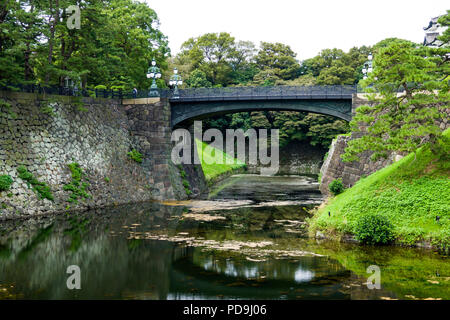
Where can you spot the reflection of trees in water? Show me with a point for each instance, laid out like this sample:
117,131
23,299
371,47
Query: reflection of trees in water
299,270
220,274
111,266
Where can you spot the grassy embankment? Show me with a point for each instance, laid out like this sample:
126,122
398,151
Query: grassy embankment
214,171
410,193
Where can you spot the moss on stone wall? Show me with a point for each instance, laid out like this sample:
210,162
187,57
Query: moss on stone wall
79,184
40,188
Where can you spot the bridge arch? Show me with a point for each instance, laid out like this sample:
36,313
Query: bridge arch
194,104
183,113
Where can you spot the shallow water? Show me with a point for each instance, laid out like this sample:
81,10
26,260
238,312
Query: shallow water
245,240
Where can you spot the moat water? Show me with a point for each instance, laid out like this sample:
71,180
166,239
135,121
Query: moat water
247,239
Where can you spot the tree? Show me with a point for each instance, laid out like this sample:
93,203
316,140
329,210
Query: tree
322,61
336,67
278,59
407,121
242,63
197,79
19,31
113,47
321,130
445,22
212,53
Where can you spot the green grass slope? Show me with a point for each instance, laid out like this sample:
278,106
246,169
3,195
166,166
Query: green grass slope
410,193
214,170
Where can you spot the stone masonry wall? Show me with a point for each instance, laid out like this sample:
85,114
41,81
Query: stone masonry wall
350,172
98,138
149,124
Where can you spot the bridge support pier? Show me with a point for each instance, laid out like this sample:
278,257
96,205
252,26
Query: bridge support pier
194,172
149,126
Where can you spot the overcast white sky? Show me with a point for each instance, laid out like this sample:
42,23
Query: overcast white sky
308,26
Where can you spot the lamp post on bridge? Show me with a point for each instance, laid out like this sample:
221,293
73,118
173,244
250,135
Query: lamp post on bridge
368,66
153,73
175,81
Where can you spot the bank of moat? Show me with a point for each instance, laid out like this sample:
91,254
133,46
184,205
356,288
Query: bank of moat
47,134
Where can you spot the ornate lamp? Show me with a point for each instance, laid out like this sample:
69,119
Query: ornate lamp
175,81
368,66
153,73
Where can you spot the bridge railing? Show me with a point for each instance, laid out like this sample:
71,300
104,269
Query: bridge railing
264,93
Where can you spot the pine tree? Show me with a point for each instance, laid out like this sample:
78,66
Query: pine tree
408,99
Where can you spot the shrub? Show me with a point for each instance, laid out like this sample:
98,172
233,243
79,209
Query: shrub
115,88
374,229
5,182
47,107
78,186
48,110
41,188
135,155
187,187
7,107
336,186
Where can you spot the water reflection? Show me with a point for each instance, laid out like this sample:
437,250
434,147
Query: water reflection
268,189
302,275
122,256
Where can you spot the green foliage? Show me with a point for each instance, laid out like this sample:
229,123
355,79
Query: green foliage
40,188
226,62
187,187
374,229
5,182
79,104
5,106
113,46
325,156
336,186
390,41
411,274
135,156
406,122
76,231
444,21
315,129
210,53
47,107
410,193
48,110
279,59
107,179
213,170
182,172
334,66
184,181
197,79
79,185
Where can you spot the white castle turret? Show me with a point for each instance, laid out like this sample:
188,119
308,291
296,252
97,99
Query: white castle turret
432,31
